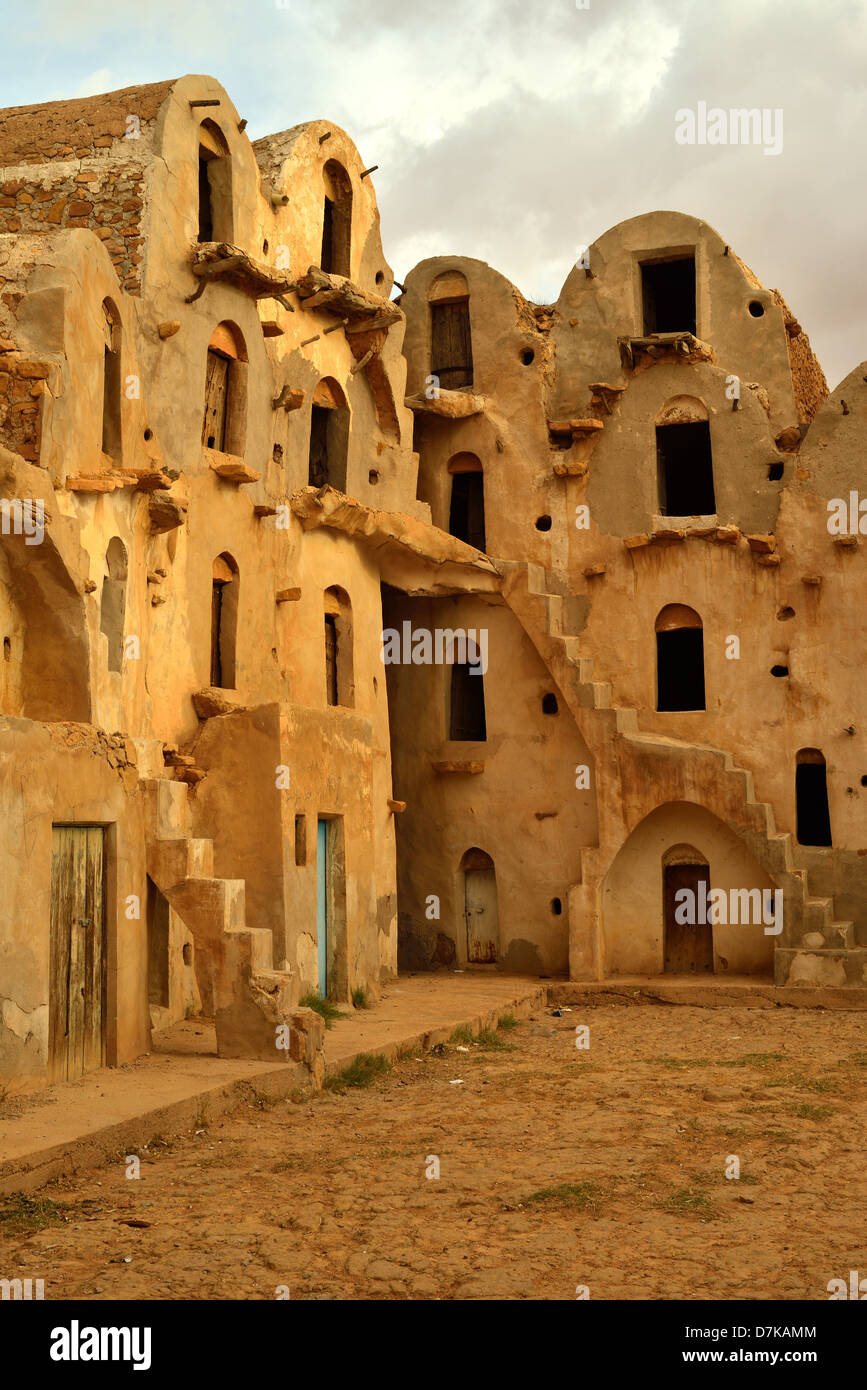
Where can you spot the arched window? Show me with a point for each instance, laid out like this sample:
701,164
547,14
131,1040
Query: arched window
215,185
336,220
451,350
679,659
467,699
480,906
467,504
339,675
329,436
112,439
112,608
684,461
811,797
225,583
224,424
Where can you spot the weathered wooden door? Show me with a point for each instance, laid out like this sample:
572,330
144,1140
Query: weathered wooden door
216,399
451,344
688,945
483,928
76,1034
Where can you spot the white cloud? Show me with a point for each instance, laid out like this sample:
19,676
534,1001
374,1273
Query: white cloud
512,130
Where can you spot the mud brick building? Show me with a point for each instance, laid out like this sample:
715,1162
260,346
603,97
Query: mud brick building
230,462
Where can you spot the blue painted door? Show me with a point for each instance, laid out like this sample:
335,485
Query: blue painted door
322,903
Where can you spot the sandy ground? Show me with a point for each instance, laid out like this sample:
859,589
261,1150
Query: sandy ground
558,1167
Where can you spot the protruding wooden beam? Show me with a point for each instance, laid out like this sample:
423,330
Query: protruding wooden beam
372,170
357,366
306,341
242,126
334,327
290,398
326,136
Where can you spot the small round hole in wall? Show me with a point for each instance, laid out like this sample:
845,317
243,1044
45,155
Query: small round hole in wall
528,356
7,648
756,308
148,434
379,277
187,953
775,472
373,477
556,906
549,703
779,670
785,614
543,523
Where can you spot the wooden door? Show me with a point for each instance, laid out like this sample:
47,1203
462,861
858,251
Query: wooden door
483,931
216,399
451,345
688,946
76,1034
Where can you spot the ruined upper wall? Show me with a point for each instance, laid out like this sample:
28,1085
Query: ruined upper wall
295,166
742,322
105,162
83,164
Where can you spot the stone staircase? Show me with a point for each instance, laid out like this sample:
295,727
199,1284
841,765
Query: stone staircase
239,987
680,771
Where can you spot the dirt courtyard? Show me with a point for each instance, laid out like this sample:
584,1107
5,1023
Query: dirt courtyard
559,1167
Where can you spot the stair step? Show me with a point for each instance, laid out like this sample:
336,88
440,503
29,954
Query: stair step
256,944
172,861
167,808
209,906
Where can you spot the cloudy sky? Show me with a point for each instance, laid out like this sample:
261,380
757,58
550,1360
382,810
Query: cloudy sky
516,130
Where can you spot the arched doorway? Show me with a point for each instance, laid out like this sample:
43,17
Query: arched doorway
480,907
687,934
631,905
329,436
451,350
224,622
215,185
112,608
336,257
467,501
